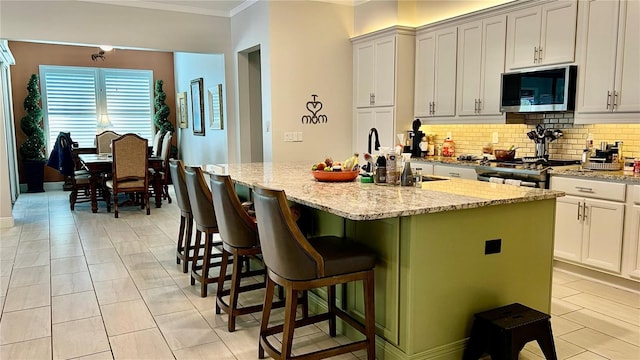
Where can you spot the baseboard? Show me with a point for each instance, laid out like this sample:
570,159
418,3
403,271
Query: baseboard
48,186
597,276
6,222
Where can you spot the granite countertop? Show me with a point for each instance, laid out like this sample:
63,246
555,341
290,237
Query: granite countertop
619,175
365,201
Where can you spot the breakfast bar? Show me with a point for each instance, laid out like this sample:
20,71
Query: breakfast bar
446,250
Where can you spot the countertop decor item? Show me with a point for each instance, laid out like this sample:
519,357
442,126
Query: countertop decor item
504,155
335,176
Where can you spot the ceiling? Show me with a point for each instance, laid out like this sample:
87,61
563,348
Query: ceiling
225,8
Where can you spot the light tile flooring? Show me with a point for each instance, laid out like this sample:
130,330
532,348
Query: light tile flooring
83,285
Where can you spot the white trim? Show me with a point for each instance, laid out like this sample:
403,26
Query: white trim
6,222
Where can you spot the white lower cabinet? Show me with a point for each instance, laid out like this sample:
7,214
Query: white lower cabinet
589,231
635,240
461,172
631,250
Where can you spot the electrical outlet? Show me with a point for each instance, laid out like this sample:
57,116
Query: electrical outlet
449,134
494,137
267,126
299,136
493,246
288,136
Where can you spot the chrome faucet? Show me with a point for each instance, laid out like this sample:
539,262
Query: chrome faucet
372,132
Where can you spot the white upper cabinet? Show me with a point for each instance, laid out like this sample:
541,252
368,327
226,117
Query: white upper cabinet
435,73
609,59
374,68
383,75
541,35
481,50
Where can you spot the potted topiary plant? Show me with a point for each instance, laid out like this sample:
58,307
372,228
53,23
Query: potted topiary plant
32,150
161,117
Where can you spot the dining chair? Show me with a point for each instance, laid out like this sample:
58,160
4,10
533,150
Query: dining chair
239,233
206,221
157,140
164,173
130,169
185,247
103,141
299,264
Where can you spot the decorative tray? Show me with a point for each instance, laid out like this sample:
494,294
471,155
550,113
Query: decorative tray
335,176
602,166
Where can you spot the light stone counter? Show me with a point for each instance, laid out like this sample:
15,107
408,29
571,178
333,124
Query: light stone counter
619,176
361,201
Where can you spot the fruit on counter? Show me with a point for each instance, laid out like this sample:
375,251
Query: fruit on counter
351,163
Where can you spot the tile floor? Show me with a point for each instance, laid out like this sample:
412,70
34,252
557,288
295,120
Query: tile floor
82,285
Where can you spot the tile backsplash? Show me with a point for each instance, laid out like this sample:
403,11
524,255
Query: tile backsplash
469,138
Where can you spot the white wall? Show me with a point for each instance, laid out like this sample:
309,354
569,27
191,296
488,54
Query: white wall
212,147
311,53
249,31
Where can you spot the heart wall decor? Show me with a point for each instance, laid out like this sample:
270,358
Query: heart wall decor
314,108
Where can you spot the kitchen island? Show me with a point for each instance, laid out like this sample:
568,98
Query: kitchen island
446,250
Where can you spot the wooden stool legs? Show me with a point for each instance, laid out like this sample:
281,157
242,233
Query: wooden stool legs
185,244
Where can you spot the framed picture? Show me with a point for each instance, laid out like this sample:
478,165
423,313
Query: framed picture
182,111
197,106
215,107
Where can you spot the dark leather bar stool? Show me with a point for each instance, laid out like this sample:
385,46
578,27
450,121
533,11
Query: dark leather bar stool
205,218
503,332
185,246
297,264
239,233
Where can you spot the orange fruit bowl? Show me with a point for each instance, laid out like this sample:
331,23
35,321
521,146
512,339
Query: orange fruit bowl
335,176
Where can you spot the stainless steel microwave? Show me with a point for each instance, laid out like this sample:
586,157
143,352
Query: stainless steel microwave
539,90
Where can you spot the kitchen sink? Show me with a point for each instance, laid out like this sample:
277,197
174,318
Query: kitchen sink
433,178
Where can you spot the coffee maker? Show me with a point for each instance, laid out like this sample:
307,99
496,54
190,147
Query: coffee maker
416,138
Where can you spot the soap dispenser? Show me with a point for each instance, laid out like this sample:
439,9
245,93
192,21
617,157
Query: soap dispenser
406,179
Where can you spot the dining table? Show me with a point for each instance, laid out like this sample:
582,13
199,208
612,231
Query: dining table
97,164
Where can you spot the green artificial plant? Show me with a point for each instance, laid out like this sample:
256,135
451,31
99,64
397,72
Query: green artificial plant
33,147
161,117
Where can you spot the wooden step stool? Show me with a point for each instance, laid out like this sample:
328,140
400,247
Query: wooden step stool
503,332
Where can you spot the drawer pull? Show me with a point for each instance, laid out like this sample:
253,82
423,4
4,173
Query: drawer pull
584,189
453,174
579,206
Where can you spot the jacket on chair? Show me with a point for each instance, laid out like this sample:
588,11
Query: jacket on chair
61,157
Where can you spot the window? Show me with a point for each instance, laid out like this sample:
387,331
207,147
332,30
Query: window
73,98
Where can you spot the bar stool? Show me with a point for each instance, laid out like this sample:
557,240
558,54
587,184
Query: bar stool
239,234
298,264
206,222
185,245
503,332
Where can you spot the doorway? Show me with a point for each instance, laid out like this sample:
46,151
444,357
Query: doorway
250,101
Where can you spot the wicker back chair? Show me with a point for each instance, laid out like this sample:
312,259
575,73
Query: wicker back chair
130,168
103,141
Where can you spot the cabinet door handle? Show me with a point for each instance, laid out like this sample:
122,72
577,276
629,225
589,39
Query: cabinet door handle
433,108
372,98
479,108
540,54
608,99
584,211
579,206
535,54
615,100
584,189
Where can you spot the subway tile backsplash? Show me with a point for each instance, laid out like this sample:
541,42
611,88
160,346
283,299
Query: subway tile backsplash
469,138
